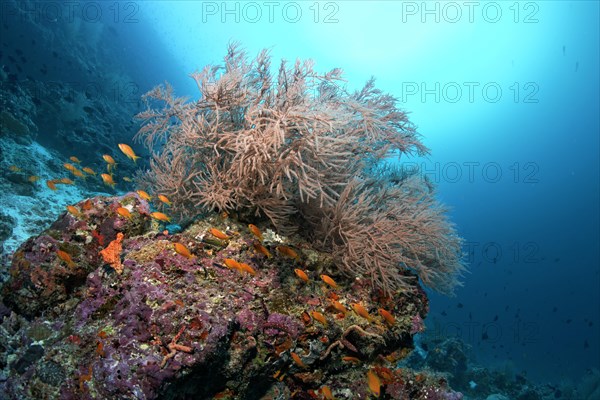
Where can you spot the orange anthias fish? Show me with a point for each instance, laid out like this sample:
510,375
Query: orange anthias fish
75,159
374,383
63,255
51,184
326,393
164,199
182,250
33,178
65,181
160,216
319,317
389,318
287,251
69,167
246,268
255,231
144,195
297,360
301,274
111,164
74,211
123,212
89,171
259,248
338,306
77,173
362,311
108,180
218,234
87,205
231,263
128,151
327,279
14,168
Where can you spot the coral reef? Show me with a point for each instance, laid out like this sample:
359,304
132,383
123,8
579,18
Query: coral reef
300,151
176,324
453,360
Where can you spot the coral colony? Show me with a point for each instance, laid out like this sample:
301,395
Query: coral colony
296,270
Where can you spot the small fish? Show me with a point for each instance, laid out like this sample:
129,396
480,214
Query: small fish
164,199
51,184
319,317
287,251
14,168
301,274
350,359
339,306
255,231
246,268
127,179
109,159
231,263
327,279
108,180
123,212
297,360
75,159
362,311
89,171
374,383
326,393
65,181
78,173
218,234
389,318
33,178
144,195
74,211
160,216
69,167
182,250
87,205
259,248
63,255
128,151
110,162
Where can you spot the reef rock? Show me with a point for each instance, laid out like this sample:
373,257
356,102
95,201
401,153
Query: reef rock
177,324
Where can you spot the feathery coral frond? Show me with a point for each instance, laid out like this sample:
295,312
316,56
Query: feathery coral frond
296,148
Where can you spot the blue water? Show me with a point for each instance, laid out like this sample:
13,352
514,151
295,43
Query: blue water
506,96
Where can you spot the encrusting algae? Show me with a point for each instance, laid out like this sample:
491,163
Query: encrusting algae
216,303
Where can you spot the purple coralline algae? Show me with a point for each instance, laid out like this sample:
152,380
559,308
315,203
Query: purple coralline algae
196,326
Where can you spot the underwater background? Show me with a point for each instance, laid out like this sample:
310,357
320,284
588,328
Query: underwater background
504,94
